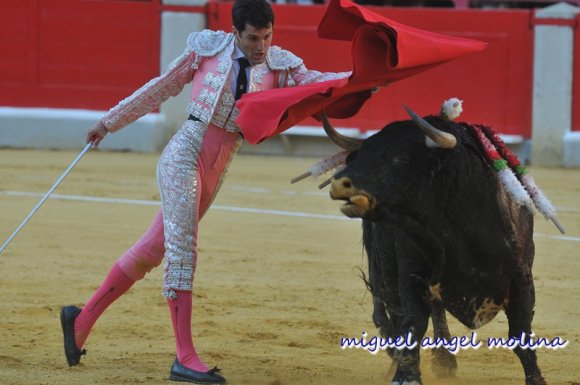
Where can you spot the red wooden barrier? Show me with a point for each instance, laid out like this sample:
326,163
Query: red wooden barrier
76,54
576,78
91,53
496,85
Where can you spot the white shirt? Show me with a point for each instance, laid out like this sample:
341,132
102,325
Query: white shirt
236,68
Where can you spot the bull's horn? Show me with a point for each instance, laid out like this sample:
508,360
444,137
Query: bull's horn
344,142
442,138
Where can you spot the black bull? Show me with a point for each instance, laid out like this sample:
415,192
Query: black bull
441,233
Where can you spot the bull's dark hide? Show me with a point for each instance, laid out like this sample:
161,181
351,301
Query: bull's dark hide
441,233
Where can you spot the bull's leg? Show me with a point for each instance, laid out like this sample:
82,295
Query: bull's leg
387,317
383,280
415,299
386,328
443,363
520,312
382,321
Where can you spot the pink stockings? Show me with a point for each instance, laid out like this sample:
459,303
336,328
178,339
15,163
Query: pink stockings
180,308
148,252
116,284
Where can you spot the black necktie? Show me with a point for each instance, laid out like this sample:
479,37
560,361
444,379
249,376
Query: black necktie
242,81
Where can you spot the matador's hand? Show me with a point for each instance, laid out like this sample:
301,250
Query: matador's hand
96,133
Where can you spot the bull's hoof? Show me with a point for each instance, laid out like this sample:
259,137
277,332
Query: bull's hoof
443,363
408,378
536,380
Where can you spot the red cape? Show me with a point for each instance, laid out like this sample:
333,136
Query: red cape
383,51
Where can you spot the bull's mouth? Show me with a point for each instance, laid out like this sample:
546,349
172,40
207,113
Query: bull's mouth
355,206
357,203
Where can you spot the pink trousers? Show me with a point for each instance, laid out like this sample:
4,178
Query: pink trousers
189,174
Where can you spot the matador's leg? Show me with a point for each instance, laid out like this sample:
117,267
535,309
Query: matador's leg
189,172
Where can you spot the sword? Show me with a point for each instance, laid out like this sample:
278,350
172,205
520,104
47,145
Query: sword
45,197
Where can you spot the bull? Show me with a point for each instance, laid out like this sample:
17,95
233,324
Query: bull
441,233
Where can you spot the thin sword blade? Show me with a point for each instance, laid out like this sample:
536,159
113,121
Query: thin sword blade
45,197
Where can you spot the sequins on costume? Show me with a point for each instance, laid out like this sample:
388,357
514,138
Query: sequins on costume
186,189
178,179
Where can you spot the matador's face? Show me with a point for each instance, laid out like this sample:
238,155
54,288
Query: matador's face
254,43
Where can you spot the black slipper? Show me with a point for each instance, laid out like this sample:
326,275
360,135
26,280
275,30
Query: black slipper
68,314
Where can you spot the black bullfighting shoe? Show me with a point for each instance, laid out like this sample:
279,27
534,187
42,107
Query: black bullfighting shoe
68,314
183,374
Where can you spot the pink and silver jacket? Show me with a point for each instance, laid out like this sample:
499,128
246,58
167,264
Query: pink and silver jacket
206,63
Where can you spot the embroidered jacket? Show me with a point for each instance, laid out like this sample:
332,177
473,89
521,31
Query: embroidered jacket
207,62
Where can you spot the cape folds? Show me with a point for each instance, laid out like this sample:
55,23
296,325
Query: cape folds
383,51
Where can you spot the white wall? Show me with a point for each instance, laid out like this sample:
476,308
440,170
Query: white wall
175,28
552,88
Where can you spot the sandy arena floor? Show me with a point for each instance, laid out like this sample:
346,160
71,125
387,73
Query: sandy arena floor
274,291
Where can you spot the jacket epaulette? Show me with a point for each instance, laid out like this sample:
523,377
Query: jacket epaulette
282,60
208,43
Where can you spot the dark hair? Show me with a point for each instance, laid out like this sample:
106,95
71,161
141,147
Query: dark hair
257,13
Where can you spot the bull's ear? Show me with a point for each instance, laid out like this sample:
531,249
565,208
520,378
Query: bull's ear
439,138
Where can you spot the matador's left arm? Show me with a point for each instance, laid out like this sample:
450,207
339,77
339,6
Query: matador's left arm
302,75
293,72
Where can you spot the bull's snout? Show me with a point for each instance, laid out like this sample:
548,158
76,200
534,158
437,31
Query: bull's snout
358,202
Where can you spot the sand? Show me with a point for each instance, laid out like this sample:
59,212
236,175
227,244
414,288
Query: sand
274,291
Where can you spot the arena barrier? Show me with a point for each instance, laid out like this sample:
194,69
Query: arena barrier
87,55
